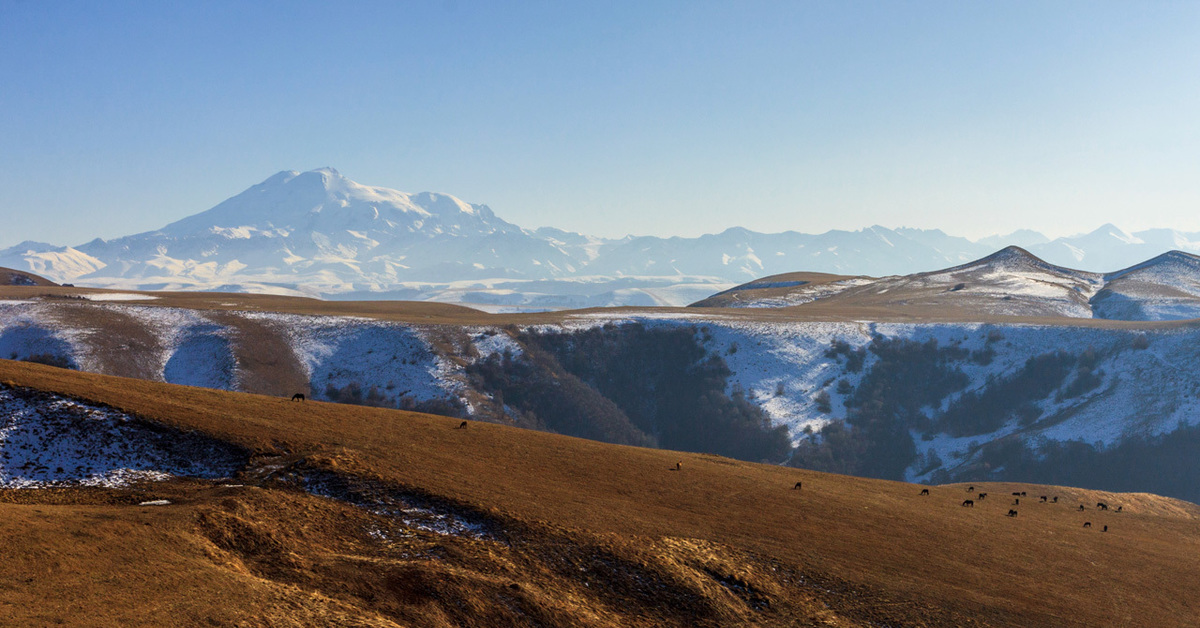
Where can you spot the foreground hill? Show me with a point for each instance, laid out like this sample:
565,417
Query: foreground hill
1010,282
353,516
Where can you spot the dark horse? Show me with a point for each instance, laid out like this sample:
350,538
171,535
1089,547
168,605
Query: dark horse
969,503
924,491
298,397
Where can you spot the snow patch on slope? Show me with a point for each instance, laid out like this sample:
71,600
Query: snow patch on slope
49,440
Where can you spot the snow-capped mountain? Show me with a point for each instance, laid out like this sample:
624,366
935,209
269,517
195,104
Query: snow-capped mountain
319,233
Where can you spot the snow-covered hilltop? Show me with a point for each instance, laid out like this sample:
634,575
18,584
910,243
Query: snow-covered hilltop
319,233
1010,282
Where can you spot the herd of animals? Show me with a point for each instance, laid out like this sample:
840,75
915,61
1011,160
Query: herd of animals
1017,495
967,503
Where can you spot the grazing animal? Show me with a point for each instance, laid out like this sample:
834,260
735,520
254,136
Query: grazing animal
1102,505
1017,502
1022,493
1106,528
968,503
679,466
1043,498
462,426
983,496
1087,524
298,397
1012,513
1080,507
1119,508
797,486
1017,494
1055,500
970,489
924,491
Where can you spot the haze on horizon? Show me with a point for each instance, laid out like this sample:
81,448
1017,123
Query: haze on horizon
645,118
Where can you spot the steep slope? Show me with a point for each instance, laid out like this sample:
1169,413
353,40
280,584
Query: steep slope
561,532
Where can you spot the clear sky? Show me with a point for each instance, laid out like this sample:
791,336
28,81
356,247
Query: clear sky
661,118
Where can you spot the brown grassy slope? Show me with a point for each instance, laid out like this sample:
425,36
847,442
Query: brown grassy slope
1040,568
9,276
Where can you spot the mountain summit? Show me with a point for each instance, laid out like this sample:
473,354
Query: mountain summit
321,234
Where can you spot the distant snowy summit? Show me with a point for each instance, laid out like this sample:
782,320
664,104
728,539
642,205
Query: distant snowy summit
319,233
1010,282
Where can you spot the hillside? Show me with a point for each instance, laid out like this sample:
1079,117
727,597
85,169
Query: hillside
10,277
1010,282
1103,404
541,528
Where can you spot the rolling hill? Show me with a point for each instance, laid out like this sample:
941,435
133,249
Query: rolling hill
343,515
1010,282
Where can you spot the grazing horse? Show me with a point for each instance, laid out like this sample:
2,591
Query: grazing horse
982,496
1055,500
298,397
1012,513
1119,508
1087,524
1043,498
1106,528
924,491
968,503
462,426
797,486
1102,505
1017,502
970,489
679,466
1016,493
1080,507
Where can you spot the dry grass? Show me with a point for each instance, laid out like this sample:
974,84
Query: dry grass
590,534
427,313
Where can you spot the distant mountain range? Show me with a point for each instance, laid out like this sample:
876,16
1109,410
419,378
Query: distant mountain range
321,234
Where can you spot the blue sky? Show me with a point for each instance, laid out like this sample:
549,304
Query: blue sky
662,118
